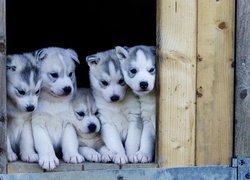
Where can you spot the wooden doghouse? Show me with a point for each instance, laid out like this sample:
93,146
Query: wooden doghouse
203,116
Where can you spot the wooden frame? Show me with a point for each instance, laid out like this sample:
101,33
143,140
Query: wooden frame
3,113
195,104
195,83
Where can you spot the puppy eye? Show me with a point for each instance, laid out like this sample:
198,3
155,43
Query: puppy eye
54,75
96,113
152,70
37,92
133,71
70,74
121,82
105,83
21,92
81,113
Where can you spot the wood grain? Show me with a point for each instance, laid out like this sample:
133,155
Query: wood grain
3,113
242,89
176,40
214,121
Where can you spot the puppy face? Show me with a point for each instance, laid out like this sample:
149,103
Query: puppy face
58,70
106,76
138,66
23,81
86,114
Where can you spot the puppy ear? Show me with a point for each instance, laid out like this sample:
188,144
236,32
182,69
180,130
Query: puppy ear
121,52
92,60
73,55
9,64
153,49
40,54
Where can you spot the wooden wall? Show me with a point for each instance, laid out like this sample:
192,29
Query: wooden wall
195,82
2,88
176,38
214,123
242,88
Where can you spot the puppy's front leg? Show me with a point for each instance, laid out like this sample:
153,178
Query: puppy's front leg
43,145
113,141
70,146
27,151
132,143
11,156
146,152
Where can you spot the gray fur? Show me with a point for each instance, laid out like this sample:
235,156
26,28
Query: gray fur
106,57
23,89
22,66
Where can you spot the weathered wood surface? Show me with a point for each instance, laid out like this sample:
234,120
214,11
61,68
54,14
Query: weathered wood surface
24,167
242,90
186,137
214,123
2,88
189,133
176,41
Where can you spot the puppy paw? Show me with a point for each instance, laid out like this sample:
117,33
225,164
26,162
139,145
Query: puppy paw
31,157
133,159
73,158
12,157
49,163
94,157
144,157
107,157
120,159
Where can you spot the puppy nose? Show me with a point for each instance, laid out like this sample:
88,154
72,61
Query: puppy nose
92,127
144,85
114,98
67,89
30,108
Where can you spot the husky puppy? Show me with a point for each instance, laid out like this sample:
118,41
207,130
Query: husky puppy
54,135
23,88
138,67
119,108
87,124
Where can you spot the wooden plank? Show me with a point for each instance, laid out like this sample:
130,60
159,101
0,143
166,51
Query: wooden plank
176,82
214,82
24,167
242,90
3,113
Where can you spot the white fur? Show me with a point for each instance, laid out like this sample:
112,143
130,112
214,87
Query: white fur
21,101
135,60
120,120
52,129
87,124
142,64
147,146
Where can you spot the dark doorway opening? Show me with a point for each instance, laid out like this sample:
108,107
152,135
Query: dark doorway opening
87,27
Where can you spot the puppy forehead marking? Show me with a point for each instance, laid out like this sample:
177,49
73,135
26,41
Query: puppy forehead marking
112,72
89,104
141,60
30,74
109,68
32,83
110,65
112,68
59,64
62,62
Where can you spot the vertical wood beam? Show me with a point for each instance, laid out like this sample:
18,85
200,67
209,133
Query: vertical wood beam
176,82
3,113
214,127
242,90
